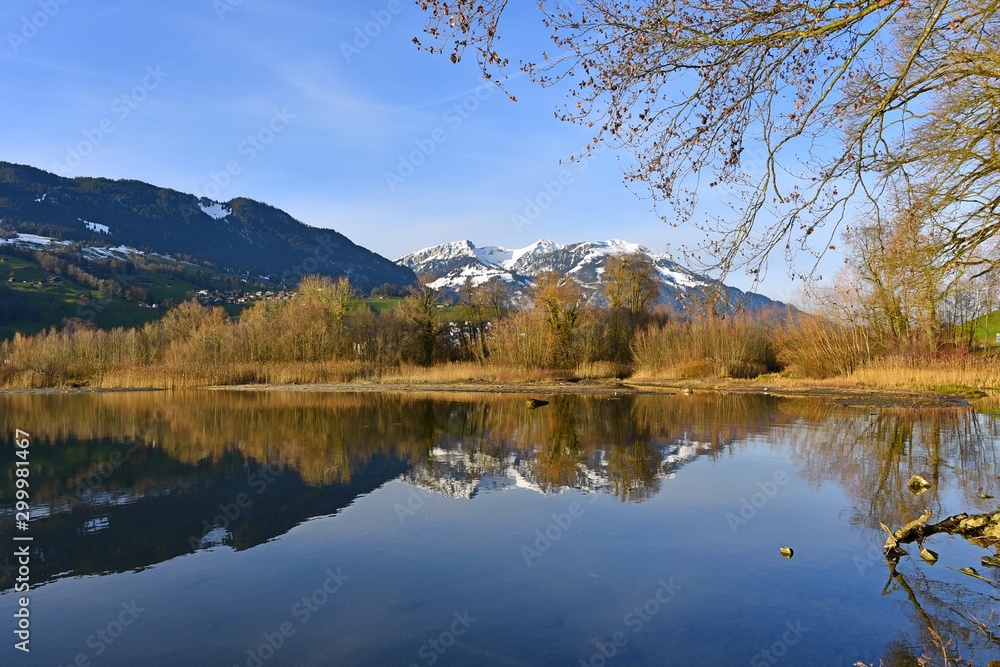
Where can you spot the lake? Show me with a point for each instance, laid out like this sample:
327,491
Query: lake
303,528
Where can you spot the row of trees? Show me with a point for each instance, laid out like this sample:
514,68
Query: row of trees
895,286
875,121
330,327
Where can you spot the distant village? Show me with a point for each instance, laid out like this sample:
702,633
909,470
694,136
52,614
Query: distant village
228,297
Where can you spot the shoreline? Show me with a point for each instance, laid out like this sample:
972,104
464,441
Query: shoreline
848,396
844,396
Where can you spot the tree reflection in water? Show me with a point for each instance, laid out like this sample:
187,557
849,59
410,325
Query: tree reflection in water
872,457
198,447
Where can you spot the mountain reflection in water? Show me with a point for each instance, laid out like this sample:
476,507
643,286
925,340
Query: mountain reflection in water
123,481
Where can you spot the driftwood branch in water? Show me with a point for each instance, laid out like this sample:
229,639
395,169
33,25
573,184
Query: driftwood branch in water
981,528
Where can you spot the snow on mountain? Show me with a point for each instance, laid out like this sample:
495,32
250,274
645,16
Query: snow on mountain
448,266
215,210
96,227
31,239
493,255
121,252
539,248
478,275
459,472
90,252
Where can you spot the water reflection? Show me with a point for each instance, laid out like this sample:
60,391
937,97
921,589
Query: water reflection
126,481
872,457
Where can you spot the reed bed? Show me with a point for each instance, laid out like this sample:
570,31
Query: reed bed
322,337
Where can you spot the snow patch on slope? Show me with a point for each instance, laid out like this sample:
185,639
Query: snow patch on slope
121,252
33,239
678,278
215,210
492,254
96,227
536,249
444,251
477,274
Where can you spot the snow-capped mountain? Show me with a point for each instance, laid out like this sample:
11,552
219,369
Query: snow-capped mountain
448,266
458,472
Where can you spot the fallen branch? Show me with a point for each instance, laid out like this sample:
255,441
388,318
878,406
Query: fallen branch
983,529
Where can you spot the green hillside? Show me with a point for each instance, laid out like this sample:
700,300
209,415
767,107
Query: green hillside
33,299
241,237
385,304
985,329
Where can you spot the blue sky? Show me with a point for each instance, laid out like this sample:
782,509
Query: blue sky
291,103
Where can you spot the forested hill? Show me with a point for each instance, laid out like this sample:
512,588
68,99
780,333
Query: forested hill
242,236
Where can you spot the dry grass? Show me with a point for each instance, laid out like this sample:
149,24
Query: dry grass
309,341
947,375
183,376
462,371
602,370
705,347
814,347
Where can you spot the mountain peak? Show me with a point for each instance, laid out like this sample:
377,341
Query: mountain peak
448,266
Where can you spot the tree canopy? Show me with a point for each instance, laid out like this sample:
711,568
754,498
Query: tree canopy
806,113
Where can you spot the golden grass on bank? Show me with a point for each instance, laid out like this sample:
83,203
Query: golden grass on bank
181,376
708,347
977,371
817,348
462,371
602,370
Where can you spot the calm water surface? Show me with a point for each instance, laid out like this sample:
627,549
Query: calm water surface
224,528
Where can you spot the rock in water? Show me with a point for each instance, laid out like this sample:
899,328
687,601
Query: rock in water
928,555
536,403
918,484
787,552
